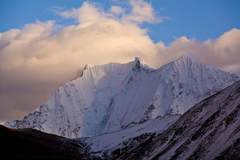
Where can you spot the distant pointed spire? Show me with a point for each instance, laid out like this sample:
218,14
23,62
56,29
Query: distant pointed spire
137,63
84,68
137,59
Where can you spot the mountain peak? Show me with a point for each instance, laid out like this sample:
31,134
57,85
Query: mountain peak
137,63
137,60
84,68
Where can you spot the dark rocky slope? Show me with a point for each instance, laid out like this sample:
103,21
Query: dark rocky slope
26,144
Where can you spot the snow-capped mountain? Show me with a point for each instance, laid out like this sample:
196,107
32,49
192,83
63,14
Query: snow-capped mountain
210,130
112,97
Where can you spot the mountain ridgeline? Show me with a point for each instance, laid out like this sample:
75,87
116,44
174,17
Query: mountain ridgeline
182,110
112,97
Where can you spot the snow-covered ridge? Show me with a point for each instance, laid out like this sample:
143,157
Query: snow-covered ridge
112,97
184,82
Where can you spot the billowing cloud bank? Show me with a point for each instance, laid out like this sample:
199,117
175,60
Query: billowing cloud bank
223,52
34,60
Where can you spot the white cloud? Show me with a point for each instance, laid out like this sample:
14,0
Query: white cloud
116,10
222,52
142,12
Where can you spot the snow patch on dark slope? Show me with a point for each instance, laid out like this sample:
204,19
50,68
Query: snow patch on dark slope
209,130
113,97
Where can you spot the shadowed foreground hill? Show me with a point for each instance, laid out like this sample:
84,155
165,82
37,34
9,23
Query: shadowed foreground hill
26,144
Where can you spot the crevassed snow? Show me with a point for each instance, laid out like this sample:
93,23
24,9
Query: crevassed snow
113,97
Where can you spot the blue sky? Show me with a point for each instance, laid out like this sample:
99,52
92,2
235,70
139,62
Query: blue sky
201,20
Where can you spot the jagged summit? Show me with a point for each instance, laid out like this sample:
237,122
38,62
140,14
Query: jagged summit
96,70
111,97
137,61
